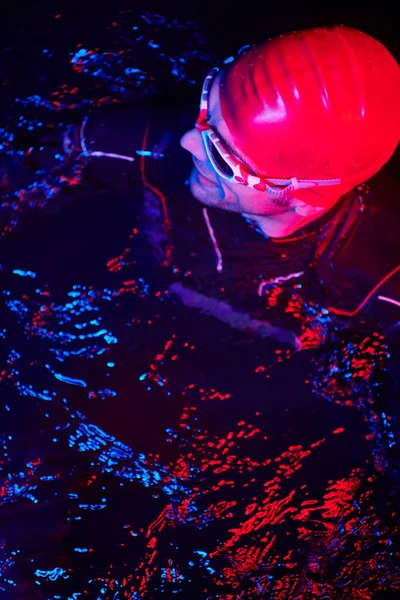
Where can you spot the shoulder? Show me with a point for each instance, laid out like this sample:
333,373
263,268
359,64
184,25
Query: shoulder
366,270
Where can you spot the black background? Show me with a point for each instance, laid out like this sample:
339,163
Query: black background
28,27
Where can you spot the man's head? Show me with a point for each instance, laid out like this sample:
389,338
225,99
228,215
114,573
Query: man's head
318,105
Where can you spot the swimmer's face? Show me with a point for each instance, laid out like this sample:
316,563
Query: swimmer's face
210,188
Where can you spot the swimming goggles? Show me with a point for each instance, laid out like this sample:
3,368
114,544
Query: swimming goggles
229,167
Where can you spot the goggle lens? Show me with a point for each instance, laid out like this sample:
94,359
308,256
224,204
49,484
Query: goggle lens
217,160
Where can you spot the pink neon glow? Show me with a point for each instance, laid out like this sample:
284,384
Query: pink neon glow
213,239
386,299
337,311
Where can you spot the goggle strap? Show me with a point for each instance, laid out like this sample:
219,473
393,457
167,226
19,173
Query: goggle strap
297,184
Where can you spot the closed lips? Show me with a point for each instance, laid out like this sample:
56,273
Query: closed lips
196,164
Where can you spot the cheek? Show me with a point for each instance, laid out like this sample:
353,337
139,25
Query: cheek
258,203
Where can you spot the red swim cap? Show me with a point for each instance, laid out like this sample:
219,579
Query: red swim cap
315,104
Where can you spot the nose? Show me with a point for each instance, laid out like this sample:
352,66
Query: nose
192,142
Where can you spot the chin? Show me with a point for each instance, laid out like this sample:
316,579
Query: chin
205,193
209,193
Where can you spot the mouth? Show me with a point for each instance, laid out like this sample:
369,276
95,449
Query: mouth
202,175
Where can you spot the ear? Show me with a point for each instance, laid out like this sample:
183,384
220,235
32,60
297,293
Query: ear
306,210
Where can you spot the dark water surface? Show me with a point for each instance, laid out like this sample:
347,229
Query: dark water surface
170,429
